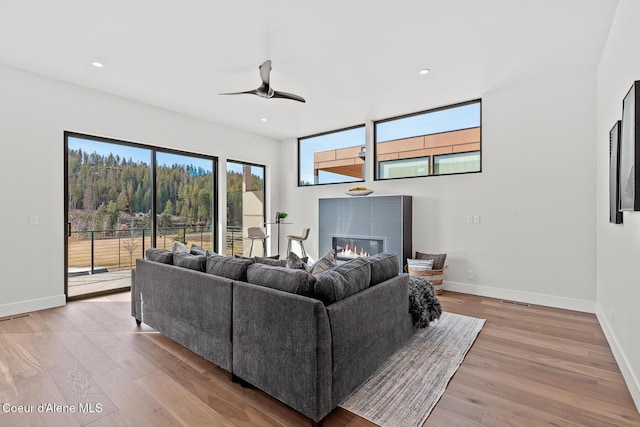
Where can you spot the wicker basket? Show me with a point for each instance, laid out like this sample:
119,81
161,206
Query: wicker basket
434,277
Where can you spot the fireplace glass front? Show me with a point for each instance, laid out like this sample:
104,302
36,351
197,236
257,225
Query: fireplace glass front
348,248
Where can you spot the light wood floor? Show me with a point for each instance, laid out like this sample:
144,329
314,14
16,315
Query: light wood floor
529,366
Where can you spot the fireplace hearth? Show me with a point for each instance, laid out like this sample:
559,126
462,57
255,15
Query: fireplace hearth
348,248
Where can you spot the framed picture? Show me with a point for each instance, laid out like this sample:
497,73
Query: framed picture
630,151
615,215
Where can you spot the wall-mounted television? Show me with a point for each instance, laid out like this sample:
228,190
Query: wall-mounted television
630,151
615,215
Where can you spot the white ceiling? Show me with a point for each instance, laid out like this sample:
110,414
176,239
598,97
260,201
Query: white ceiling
353,60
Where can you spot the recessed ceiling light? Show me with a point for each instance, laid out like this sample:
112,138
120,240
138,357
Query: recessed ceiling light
424,71
263,119
97,64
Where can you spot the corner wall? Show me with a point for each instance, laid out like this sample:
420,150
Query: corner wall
535,197
35,112
618,249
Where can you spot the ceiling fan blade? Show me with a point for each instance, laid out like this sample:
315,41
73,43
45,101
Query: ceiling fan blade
286,95
265,71
250,92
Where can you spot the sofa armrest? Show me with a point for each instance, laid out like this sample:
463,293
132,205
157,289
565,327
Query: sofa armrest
282,345
367,328
190,307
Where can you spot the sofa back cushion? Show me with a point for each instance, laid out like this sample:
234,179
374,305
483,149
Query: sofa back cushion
384,266
273,261
231,268
284,279
187,260
160,255
343,281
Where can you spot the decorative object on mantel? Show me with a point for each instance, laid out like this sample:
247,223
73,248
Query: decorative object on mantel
359,191
280,216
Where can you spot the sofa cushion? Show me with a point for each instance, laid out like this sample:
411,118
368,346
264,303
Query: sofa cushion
285,279
325,263
271,261
160,255
231,268
438,259
384,266
186,260
343,281
294,261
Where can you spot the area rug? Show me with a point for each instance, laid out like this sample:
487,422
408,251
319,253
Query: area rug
404,390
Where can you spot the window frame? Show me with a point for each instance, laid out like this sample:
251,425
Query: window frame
376,168
363,126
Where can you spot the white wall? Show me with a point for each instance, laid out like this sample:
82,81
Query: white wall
535,241
34,113
618,249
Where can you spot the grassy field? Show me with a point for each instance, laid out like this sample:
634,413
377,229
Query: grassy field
121,253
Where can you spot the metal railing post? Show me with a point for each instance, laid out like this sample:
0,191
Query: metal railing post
92,253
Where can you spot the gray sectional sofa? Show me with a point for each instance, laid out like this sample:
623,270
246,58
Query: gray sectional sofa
307,341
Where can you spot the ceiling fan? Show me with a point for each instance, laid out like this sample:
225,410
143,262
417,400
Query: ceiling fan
265,90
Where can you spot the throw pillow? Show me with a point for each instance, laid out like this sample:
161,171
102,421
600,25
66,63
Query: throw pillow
197,250
159,255
384,266
284,279
187,260
294,261
342,281
231,268
416,266
438,259
325,263
179,247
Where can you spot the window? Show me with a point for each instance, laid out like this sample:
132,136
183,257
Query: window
418,166
456,163
245,206
436,142
333,157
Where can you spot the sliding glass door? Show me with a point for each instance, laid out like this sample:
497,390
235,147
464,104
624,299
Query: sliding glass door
116,193
184,200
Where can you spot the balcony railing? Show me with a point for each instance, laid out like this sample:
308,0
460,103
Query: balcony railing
91,252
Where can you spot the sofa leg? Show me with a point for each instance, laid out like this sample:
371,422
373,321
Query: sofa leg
317,423
243,383
138,322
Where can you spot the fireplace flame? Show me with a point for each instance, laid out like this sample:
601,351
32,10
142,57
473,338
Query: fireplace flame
347,252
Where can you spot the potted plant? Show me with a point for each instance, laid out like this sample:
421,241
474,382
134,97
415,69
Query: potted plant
280,216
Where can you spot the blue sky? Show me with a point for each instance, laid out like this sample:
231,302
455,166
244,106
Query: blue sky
463,117
138,155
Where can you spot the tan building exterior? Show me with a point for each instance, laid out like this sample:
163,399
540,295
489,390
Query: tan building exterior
347,161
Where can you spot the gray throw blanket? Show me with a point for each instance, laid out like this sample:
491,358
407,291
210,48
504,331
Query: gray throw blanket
424,305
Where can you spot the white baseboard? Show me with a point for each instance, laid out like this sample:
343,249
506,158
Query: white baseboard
527,297
633,384
20,307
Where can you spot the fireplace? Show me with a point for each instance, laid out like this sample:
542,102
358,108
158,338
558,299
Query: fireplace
359,221
348,248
